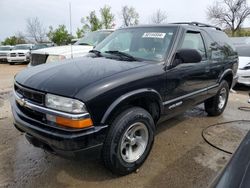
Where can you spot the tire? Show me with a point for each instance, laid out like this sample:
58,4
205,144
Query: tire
125,154
12,63
216,105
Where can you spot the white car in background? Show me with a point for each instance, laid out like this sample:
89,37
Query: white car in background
4,51
20,53
78,49
244,64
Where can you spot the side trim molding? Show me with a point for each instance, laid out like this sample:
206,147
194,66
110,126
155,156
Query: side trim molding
189,95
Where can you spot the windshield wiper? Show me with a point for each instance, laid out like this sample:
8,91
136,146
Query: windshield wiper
122,55
96,52
84,44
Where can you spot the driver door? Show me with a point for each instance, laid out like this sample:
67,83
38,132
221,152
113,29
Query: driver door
186,83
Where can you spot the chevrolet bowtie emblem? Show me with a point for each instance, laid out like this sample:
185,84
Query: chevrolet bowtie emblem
21,101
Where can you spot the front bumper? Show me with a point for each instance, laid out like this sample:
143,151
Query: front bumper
18,59
244,77
3,58
65,142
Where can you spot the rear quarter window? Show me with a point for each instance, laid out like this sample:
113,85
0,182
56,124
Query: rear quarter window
221,38
220,45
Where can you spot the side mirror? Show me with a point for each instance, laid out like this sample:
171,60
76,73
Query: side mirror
188,56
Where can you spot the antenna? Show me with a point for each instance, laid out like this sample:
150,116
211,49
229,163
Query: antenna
70,25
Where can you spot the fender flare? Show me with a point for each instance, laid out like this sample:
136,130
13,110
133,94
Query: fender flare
225,73
126,96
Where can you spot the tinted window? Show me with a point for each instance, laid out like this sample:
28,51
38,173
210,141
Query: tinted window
194,41
5,48
39,46
149,43
243,50
240,40
222,39
219,45
22,47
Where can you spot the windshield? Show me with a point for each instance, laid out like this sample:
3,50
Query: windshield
22,47
149,43
5,48
92,38
39,46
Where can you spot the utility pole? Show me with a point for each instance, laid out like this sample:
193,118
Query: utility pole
70,25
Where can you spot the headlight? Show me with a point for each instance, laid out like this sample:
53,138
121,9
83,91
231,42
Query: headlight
52,58
64,104
247,67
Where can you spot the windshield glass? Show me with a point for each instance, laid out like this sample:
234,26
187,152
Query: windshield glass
39,46
22,47
149,43
5,48
92,38
243,50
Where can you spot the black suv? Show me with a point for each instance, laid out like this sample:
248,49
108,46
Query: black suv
114,98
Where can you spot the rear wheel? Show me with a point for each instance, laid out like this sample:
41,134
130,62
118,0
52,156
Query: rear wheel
129,141
217,104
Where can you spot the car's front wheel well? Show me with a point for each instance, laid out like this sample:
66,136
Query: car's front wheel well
229,79
151,105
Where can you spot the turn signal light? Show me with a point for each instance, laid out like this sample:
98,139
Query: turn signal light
79,124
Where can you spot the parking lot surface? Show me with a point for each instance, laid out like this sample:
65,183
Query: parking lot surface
179,158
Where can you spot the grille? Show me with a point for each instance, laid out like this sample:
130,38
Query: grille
37,59
29,94
21,54
33,114
12,54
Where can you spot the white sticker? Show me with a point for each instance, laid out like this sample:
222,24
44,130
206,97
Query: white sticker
154,35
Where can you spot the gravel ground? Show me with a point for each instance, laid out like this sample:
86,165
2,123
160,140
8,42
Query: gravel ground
179,158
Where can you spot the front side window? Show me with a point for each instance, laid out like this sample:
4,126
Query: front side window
149,43
193,40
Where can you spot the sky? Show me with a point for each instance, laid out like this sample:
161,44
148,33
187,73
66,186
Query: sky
14,13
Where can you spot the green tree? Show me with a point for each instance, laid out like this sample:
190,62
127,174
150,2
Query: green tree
80,32
13,40
107,17
91,22
60,35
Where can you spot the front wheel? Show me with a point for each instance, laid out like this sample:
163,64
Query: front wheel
129,141
217,104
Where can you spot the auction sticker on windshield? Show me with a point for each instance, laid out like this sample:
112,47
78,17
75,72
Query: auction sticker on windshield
154,35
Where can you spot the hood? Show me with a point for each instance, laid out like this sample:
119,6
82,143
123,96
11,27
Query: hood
4,52
69,77
65,50
19,51
243,61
